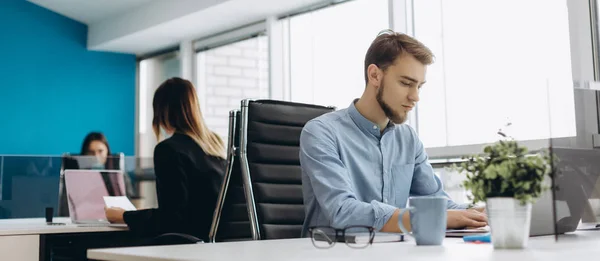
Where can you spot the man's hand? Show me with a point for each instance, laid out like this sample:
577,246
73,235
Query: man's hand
114,215
478,209
466,218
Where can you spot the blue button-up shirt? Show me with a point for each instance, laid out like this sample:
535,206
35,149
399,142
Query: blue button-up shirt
355,174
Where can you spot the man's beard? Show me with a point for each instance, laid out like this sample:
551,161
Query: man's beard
389,113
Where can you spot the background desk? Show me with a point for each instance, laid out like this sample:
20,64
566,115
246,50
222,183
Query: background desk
32,239
579,246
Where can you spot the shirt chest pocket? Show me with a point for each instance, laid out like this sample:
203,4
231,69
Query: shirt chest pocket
401,179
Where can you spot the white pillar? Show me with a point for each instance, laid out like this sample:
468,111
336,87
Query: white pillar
400,19
279,82
400,16
186,56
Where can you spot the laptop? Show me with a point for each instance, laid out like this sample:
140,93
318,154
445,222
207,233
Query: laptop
576,177
86,190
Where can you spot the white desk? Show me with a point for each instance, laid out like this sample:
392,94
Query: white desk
578,246
37,226
23,239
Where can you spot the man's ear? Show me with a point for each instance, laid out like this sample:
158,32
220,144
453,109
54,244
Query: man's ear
374,75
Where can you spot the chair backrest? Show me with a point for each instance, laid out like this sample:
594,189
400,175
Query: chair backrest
269,151
230,220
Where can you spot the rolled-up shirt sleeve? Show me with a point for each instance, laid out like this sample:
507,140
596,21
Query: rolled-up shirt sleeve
330,182
425,182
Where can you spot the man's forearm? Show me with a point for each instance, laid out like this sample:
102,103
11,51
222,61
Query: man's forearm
392,224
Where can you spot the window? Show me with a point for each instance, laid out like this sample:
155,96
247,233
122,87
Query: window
153,72
327,49
228,74
496,61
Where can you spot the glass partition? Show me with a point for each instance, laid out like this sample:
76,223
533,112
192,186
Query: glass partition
141,171
30,184
576,172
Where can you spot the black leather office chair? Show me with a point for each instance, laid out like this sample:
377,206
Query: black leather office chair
230,220
269,152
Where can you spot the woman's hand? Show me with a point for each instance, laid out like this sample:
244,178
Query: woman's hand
114,215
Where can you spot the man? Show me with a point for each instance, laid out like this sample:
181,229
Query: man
360,164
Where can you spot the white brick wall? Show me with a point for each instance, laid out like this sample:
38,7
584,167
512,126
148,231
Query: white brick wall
227,70
215,80
229,50
216,60
232,73
243,62
251,73
248,84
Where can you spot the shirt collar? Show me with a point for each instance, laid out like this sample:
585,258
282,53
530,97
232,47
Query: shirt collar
367,126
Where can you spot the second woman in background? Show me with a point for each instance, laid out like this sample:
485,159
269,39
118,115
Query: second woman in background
189,167
95,144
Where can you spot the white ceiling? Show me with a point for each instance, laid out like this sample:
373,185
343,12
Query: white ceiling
90,11
146,26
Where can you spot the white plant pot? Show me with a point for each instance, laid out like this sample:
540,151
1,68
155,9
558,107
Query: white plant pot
509,222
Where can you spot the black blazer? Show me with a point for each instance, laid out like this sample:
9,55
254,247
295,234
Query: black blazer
187,185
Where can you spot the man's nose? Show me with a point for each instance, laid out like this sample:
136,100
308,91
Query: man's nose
414,95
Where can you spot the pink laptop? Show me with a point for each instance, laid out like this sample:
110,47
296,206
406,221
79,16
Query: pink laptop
86,190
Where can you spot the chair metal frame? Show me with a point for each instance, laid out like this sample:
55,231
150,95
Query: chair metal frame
245,167
231,152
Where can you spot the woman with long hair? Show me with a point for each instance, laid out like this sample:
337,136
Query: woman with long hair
96,144
189,165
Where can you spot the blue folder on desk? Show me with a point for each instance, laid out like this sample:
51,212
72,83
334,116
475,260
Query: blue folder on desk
483,238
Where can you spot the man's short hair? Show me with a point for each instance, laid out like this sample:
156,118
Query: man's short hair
389,45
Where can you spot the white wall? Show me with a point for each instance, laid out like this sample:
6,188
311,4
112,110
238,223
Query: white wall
229,74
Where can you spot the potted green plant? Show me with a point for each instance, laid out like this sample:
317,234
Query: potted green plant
509,179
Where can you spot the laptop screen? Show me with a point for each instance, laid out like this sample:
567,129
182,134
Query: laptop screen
86,190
